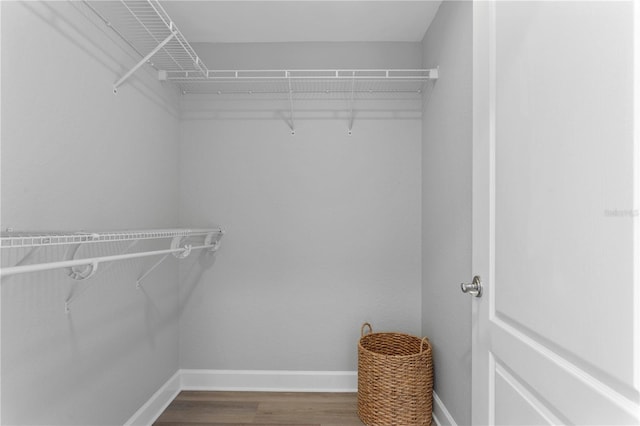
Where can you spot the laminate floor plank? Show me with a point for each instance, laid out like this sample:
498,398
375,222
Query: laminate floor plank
296,412
209,412
232,424
197,408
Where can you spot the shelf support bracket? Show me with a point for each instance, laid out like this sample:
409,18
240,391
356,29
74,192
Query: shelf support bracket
89,272
291,123
144,60
85,273
26,258
155,265
353,86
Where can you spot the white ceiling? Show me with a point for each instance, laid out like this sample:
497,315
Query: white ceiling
302,20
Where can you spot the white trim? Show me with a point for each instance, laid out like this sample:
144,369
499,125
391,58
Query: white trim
482,250
0,292
616,401
268,380
259,380
521,390
153,408
441,415
636,201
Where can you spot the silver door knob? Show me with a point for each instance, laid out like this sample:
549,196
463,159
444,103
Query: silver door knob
474,288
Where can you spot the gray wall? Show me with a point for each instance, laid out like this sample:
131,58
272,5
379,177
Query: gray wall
75,156
318,55
323,228
446,205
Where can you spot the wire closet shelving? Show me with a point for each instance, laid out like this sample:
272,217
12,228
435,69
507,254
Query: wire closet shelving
183,242
147,28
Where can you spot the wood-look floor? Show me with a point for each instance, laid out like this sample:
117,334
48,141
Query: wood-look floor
261,408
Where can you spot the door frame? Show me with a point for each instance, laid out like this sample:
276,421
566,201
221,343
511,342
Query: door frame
636,191
483,199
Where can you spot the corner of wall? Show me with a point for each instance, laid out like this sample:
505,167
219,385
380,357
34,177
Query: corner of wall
446,205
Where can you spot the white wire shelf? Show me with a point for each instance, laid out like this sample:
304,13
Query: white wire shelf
182,244
147,28
144,24
15,239
342,83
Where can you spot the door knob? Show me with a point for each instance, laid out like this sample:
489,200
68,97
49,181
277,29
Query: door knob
474,288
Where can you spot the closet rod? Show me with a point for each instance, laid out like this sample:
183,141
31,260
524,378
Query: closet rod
94,261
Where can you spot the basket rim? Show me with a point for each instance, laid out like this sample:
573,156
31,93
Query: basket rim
427,348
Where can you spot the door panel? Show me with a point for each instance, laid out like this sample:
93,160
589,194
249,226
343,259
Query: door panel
555,336
574,395
564,156
518,405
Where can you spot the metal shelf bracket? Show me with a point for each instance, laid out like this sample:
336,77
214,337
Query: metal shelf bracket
353,85
155,265
291,123
209,241
175,244
144,60
25,259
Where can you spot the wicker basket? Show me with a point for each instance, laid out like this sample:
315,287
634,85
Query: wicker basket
395,379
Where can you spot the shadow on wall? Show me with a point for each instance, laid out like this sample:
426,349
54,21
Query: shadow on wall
87,342
225,109
191,272
100,50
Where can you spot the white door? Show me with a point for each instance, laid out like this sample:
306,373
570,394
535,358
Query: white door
556,192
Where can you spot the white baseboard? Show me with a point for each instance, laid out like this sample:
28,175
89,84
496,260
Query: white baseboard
271,381
153,408
243,380
441,415
259,380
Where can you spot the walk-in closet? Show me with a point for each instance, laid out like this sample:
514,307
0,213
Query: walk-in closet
216,196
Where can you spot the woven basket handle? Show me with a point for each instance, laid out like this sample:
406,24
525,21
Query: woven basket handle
424,339
366,324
